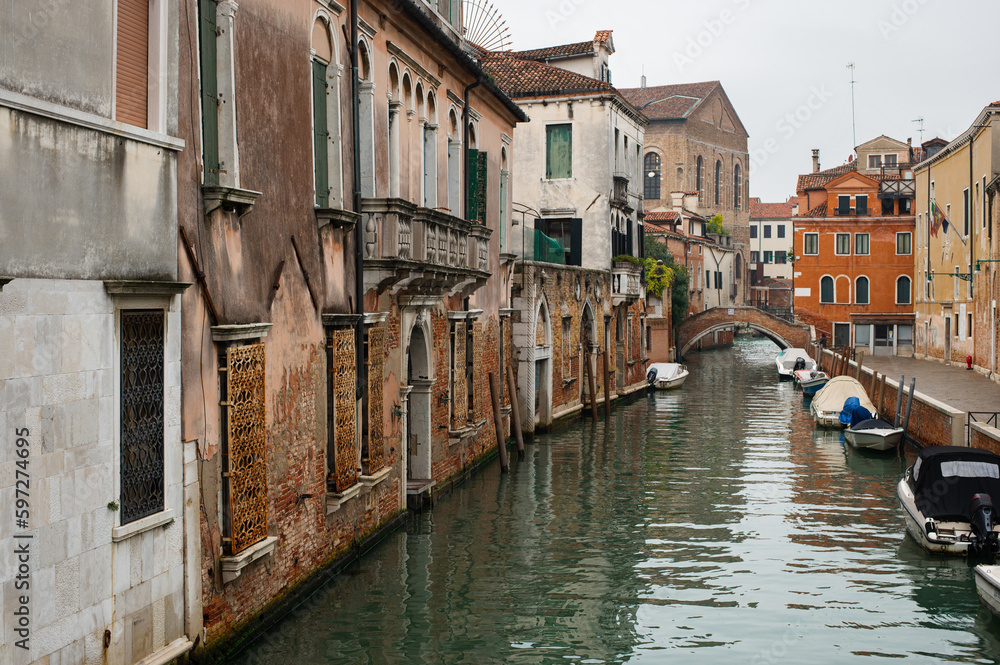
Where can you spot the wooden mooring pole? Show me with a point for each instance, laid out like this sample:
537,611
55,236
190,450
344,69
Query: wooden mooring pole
909,405
591,384
899,399
501,441
607,384
861,359
515,411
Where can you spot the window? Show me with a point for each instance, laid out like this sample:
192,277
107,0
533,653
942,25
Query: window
890,160
904,335
753,231
718,279
142,413
843,247
861,244
781,230
754,256
903,243
861,205
567,234
826,289
459,388
965,213
780,257
863,335
699,175
342,448
478,183
810,244
969,329
651,182
903,290
321,135
874,161
861,291
558,152
843,205
132,63
209,91
708,279
718,183
737,189
767,230
373,449
567,352
768,257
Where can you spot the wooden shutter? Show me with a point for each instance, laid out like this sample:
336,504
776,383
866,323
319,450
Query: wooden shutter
321,135
479,210
575,242
209,90
132,63
559,151
472,186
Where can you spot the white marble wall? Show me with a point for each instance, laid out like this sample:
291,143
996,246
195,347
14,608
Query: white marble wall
59,378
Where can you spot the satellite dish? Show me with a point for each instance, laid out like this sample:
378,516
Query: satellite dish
484,26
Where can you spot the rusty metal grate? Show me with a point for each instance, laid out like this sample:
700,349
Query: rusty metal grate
459,394
345,458
247,446
375,456
141,414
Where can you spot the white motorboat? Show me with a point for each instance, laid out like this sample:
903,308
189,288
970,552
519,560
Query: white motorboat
664,376
829,401
988,587
811,381
874,434
787,362
946,500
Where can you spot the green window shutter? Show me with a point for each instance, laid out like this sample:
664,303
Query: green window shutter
558,151
320,135
209,91
472,191
481,178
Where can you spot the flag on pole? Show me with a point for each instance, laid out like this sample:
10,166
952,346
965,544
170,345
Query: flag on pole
938,219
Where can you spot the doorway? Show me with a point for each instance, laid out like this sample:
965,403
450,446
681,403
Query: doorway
418,430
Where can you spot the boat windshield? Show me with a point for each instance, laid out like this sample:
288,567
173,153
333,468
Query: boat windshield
966,469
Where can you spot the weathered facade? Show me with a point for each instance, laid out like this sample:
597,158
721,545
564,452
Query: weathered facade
99,479
579,207
317,413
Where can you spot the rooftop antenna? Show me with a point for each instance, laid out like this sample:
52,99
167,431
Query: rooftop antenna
642,83
854,120
921,129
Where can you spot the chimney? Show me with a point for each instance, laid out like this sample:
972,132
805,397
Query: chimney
642,82
815,160
677,201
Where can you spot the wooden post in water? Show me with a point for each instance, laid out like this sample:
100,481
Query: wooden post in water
607,384
899,399
909,405
861,359
592,384
881,395
875,395
501,442
515,411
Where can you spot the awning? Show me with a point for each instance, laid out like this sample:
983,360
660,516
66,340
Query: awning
883,319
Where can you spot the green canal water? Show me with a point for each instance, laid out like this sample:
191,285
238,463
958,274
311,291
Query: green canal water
710,524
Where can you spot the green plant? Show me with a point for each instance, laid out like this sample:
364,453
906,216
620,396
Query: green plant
716,225
680,279
791,256
658,277
627,258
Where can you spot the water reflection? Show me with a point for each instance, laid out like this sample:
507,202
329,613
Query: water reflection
711,523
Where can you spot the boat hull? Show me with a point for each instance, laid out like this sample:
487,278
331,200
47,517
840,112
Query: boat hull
669,384
951,538
829,419
874,439
988,587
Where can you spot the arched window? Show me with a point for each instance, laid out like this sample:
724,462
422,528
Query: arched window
736,187
718,183
903,290
861,291
366,120
826,289
651,182
326,115
699,173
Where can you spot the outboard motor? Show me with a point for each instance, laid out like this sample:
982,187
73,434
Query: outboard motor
651,375
800,363
984,541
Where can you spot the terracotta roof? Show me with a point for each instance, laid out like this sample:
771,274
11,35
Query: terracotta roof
552,52
527,78
662,216
669,102
760,210
652,228
818,180
602,36
818,211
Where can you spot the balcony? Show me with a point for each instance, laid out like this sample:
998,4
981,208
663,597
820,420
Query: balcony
625,282
619,192
898,189
419,251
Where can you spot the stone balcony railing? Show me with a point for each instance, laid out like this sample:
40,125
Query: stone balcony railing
626,282
423,251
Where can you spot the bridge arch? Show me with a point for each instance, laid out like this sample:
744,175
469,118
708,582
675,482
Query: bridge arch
782,332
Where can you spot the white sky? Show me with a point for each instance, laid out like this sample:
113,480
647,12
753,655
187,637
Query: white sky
936,59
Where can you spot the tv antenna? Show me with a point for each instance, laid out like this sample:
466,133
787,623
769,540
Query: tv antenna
920,128
484,26
854,120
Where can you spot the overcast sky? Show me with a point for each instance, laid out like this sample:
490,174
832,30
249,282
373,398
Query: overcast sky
934,59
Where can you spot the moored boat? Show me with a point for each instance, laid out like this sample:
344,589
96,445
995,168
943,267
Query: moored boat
946,500
664,376
811,381
792,359
829,401
874,434
988,587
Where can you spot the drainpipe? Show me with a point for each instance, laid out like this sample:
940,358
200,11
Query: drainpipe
465,143
359,235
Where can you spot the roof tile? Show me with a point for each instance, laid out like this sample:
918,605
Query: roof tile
669,102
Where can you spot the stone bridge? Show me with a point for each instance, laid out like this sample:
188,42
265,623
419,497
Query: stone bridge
781,332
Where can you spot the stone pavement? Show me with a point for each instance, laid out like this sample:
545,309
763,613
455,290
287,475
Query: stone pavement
952,384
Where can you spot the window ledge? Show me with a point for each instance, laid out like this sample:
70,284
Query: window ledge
336,500
336,218
238,332
169,653
569,382
230,199
232,566
460,435
142,288
376,478
126,531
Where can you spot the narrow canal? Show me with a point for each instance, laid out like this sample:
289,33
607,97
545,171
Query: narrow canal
708,524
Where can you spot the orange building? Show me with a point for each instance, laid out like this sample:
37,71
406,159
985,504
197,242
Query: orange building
853,275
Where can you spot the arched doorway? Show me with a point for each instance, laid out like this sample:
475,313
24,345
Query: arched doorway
588,347
418,430
543,366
